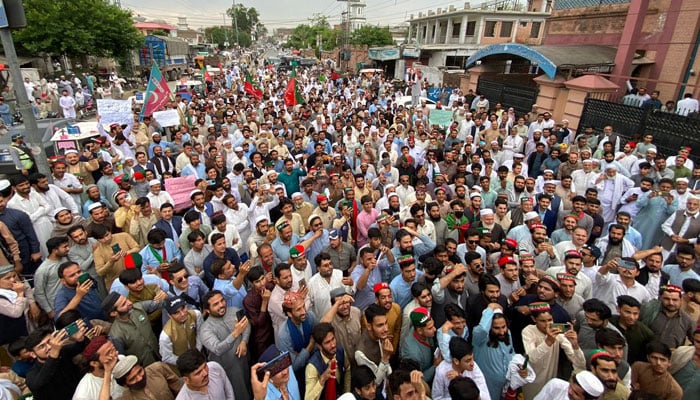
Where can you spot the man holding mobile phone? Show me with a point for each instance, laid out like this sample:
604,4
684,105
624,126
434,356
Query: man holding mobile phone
76,295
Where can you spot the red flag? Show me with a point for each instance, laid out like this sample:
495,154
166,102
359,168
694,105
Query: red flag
157,92
251,87
205,74
292,95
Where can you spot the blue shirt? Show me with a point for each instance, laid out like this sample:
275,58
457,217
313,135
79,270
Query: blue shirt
229,254
282,250
292,389
90,307
316,247
234,297
401,290
150,260
492,361
284,343
676,276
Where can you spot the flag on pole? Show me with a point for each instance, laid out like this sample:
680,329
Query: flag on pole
292,95
207,78
157,93
251,87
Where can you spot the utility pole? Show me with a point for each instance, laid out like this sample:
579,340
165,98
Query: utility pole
346,39
235,20
23,105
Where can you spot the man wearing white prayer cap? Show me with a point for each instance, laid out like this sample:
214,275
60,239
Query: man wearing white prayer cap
584,385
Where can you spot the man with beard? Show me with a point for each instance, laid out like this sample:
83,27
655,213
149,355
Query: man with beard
161,163
156,380
76,295
375,348
411,242
226,338
666,319
54,375
547,290
93,196
82,165
566,232
294,335
493,348
603,366
609,286
264,234
540,246
383,298
203,378
81,252
489,292
630,199
35,206
108,187
614,245
654,209
573,263
324,211
324,283
681,228
343,255
439,224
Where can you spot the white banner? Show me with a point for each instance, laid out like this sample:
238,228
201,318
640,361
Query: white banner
167,118
114,111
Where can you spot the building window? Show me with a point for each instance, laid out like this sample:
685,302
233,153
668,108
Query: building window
455,30
535,30
471,28
506,28
456,61
490,29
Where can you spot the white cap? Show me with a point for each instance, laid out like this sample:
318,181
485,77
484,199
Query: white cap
477,188
682,180
260,218
530,215
518,155
587,161
548,170
313,217
94,206
486,211
237,149
296,194
590,383
474,194
71,151
611,166
153,182
4,184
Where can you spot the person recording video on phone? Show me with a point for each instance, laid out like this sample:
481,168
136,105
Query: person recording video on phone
77,292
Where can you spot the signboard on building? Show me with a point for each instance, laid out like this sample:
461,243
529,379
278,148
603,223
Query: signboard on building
383,53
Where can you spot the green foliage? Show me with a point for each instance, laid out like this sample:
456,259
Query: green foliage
372,36
159,32
77,28
249,25
220,35
305,36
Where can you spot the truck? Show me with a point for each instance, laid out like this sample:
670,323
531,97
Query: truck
170,54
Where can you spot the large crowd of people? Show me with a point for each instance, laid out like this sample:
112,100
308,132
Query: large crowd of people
347,248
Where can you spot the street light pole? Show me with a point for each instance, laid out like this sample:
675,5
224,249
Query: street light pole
23,105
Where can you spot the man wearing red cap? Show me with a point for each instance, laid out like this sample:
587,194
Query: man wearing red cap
101,357
573,263
666,319
324,211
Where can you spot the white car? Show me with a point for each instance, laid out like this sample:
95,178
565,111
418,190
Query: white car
406,102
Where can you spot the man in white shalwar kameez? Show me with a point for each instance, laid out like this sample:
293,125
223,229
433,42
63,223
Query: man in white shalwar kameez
39,210
611,186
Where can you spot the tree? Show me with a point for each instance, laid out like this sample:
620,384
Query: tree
247,20
219,35
77,28
372,36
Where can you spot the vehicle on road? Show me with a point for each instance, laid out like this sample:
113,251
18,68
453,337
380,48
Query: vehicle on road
406,101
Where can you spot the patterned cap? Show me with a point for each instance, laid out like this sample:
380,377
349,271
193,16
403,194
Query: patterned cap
282,225
536,226
297,251
291,298
420,317
552,281
572,254
670,288
539,307
566,278
406,259
596,353
526,257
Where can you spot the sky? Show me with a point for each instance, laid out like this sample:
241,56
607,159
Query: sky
282,13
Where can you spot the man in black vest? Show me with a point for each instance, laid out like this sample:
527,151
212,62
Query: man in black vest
328,370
